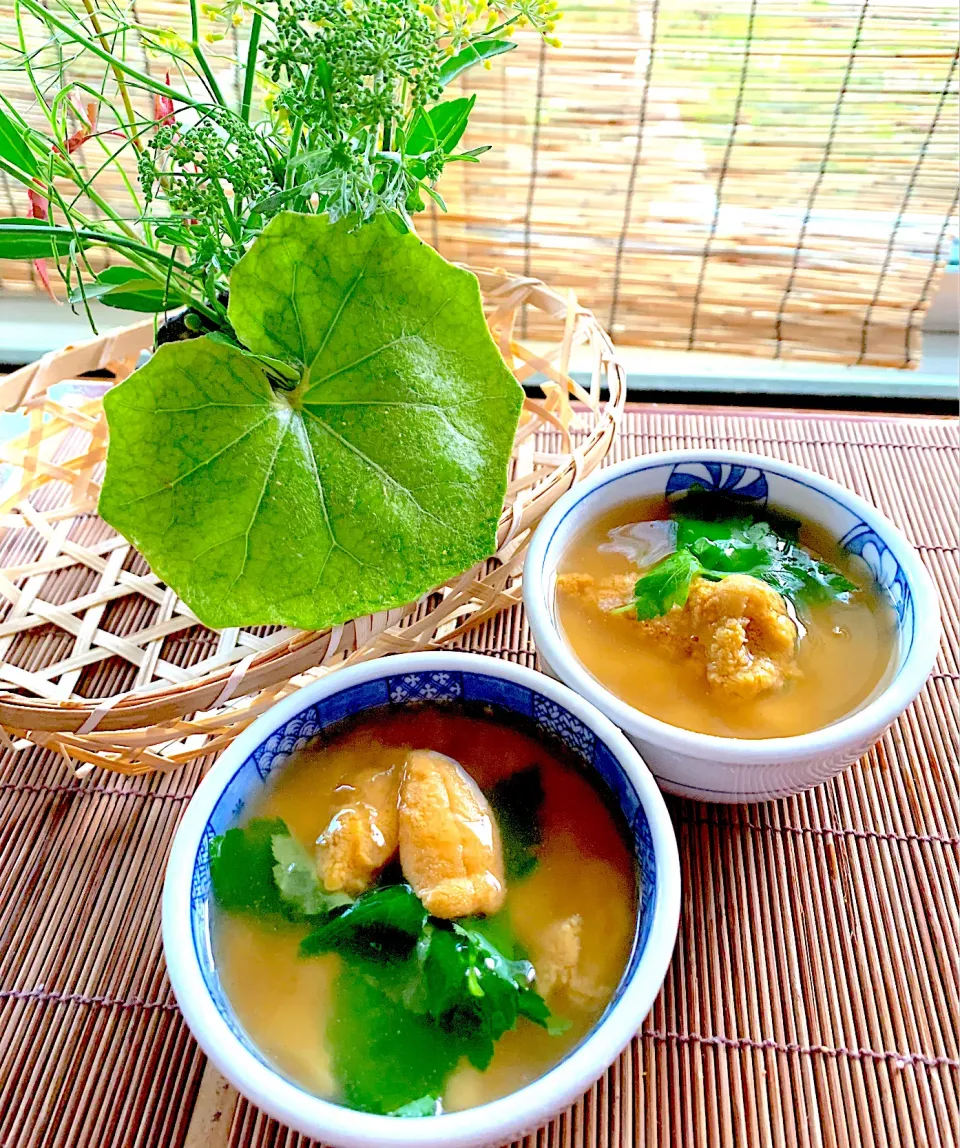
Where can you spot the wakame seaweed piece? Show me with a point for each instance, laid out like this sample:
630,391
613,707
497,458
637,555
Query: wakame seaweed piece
517,802
386,1058
241,867
665,585
295,875
385,922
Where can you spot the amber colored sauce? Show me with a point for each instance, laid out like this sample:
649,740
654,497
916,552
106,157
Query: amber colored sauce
844,656
585,867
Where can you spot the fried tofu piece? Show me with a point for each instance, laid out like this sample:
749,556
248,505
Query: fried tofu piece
737,631
558,964
363,835
450,848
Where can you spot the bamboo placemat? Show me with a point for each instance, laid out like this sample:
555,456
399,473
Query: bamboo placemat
814,997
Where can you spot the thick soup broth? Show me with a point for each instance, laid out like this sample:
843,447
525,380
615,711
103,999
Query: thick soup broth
288,1004
844,652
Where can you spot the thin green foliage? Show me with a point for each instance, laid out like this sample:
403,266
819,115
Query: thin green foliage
716,539
339,110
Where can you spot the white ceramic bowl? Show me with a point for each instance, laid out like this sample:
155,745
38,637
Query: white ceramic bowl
705,767
266,745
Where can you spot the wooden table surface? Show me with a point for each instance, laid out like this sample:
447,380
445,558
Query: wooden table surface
814,996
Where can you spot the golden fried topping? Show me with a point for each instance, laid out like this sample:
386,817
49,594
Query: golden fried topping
363,835
605,595
737,630
449,842
558,952
750,640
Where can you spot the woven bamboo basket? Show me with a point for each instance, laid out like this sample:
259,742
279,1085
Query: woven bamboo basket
102,662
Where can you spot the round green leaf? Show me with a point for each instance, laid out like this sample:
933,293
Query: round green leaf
381,475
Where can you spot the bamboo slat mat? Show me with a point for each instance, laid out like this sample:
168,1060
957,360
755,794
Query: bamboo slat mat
814,997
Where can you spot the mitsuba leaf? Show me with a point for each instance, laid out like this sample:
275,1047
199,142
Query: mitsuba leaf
378,477
385,920
416,994
425,1106
665,585
517,801
535,1008
746,546
295,875
260,868
386,1058
241,867
472,990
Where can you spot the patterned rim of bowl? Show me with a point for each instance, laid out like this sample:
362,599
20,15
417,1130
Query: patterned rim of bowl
268,743
892,561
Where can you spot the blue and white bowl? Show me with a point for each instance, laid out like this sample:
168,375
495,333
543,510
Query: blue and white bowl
705,767
241,773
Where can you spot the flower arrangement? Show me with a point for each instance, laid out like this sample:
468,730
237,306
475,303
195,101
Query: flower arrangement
324,428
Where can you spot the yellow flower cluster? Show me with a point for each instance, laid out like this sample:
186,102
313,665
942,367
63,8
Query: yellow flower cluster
229,13
457,22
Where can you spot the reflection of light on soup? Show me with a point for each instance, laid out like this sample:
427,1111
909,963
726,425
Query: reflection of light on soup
584,869
844,654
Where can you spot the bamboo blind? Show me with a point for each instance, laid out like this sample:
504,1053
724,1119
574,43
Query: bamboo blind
776,177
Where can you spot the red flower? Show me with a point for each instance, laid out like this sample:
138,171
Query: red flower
163,107
37,209
88,125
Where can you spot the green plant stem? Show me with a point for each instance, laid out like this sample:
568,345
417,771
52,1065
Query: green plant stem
18,173
250,73
142,78
201,59
118,75
296,130
112,156
28,65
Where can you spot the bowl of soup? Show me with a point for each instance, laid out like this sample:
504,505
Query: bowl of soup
424,901
752,626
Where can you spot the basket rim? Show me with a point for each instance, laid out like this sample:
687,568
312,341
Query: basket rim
300,650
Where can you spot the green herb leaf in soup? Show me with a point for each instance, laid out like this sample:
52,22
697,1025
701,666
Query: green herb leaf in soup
379,475
261,869
241,867
383,920
425,1106
746,546
472,990
385,1058
665,585
295,875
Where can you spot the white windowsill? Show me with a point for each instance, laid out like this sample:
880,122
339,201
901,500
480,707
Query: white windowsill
31,326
